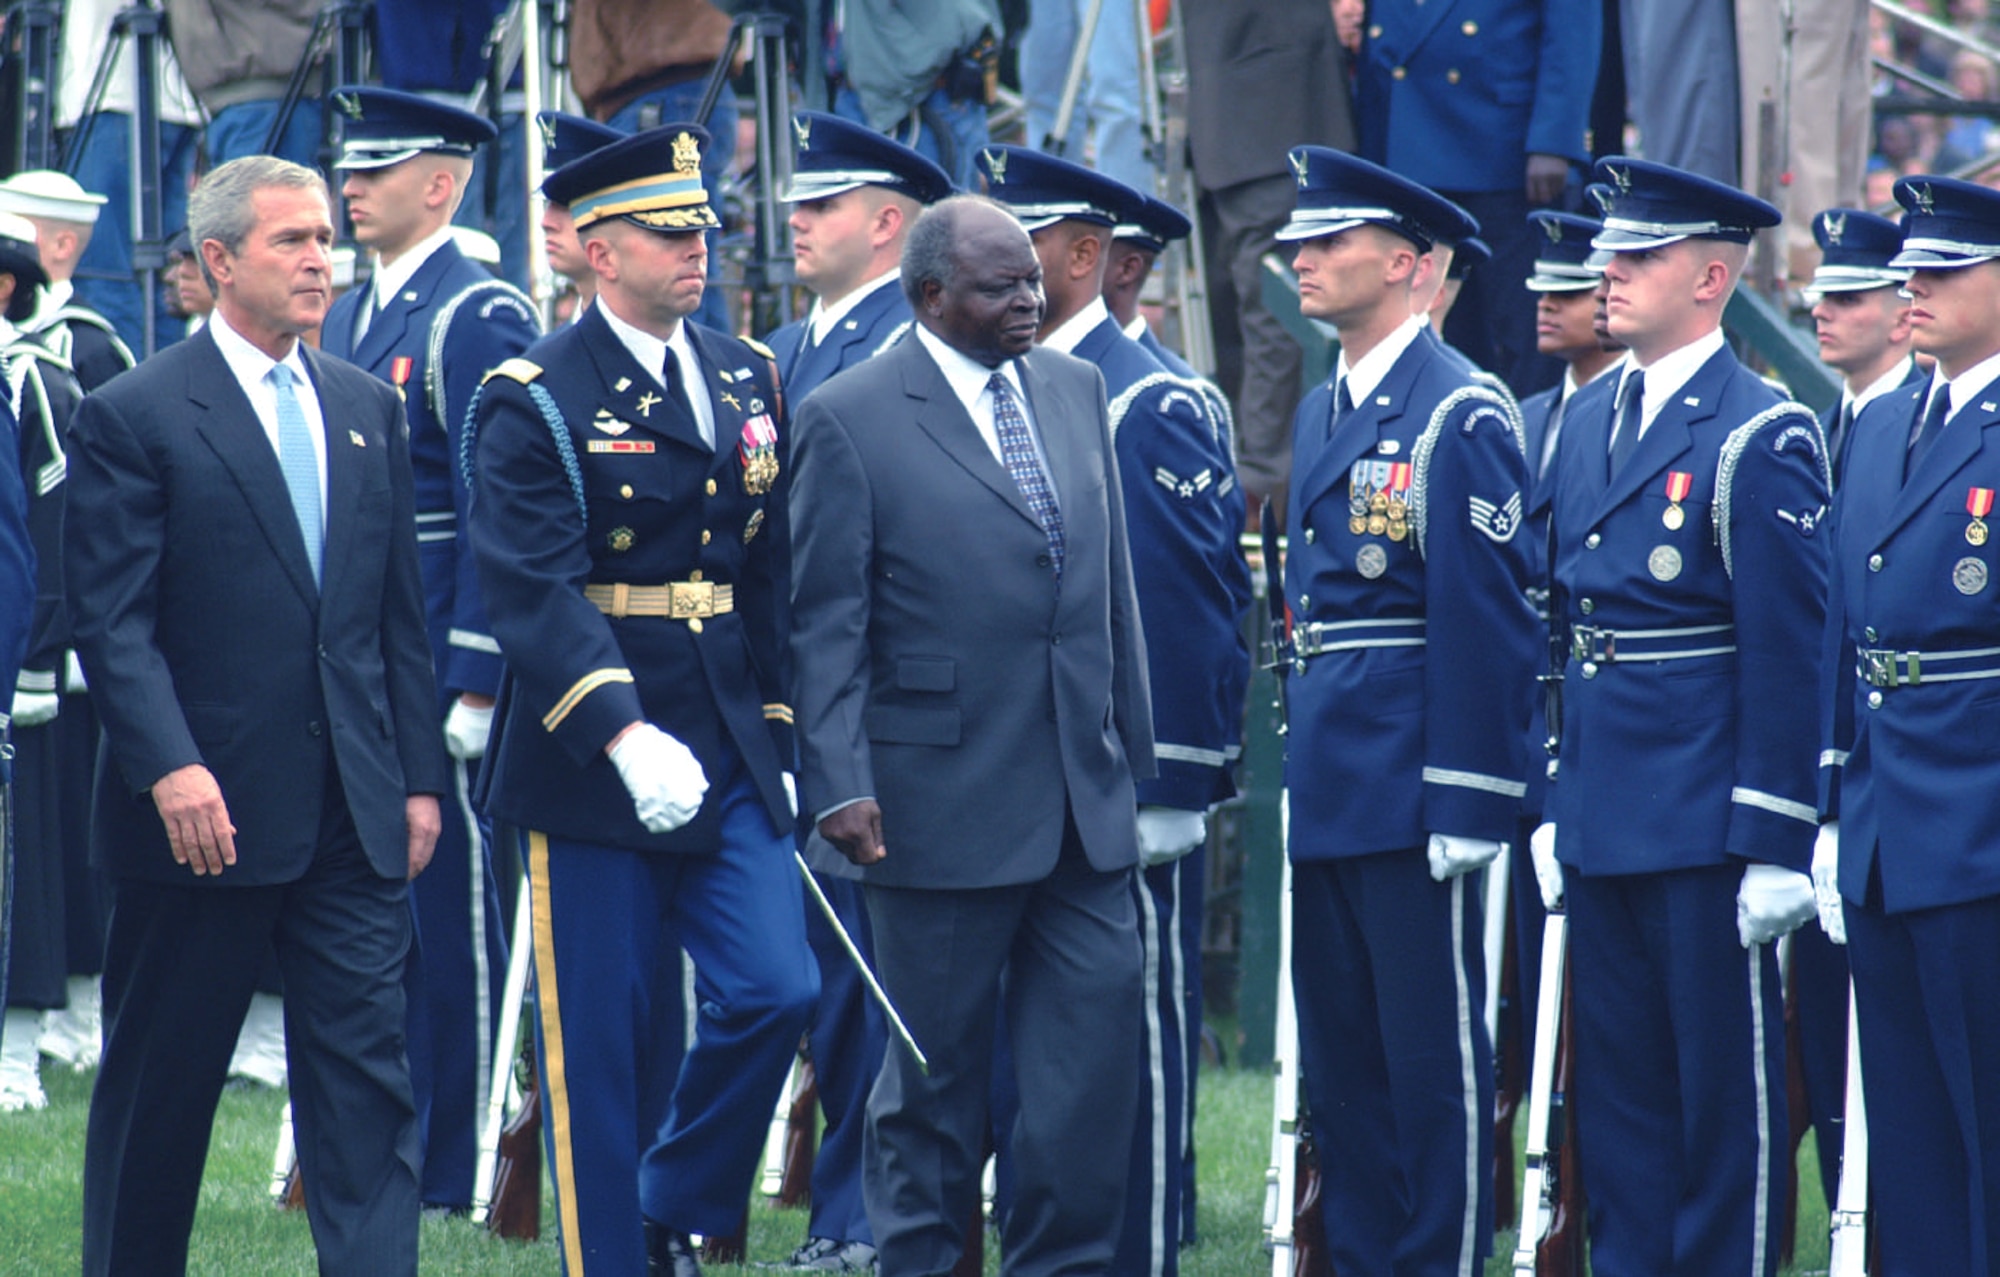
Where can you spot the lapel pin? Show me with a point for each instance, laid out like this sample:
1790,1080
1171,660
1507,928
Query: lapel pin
1692,401
355,435
1987,407
1390,447
1381,401
624,384
646,402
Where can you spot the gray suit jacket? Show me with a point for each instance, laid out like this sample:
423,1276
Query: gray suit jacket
936,665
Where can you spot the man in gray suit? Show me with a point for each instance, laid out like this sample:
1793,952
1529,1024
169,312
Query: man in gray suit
970,686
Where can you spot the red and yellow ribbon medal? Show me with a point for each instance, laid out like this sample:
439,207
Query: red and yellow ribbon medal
1678,483
399,374
1979,504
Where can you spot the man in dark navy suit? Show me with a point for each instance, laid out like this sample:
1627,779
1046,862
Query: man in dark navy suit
1412,654
431,323
854,194
1861,318
1689,572
242,567
1913,828
629,481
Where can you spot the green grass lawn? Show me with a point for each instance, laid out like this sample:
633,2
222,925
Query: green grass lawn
238,1232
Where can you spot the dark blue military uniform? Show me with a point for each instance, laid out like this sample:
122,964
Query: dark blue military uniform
636,573
832,156
1183,510
1692,583
1911,632
433,341
1413,650
1855,248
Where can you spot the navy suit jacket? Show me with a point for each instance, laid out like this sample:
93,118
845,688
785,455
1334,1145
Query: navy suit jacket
205,639
1911,771
938,668
1456,93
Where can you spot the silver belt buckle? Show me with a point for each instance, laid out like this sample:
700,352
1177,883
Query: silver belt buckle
1878,667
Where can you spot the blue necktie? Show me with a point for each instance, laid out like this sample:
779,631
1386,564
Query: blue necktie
1343,403
1017,449
1928,428
301,467
1626,439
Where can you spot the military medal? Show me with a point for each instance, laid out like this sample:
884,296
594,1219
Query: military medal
619,539
758,452
399,374
1979,504
1678,483
1371,561
1398,528
1664,563
1358,525
1968,575
1360,489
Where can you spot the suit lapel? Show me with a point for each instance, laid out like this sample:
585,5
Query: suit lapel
1061,441
633,395
343,481
1362,431
229,424
388,328
941,416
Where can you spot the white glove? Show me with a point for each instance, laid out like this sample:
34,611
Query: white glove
1771,902
73,674
791,791
1548,871
1168,833
1826,882
1451,855
662,775
466,730
32,709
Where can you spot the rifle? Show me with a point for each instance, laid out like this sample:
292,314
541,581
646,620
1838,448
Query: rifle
490,1172
800,1145
1508,1066
1849,1226
515,1210
1550,1242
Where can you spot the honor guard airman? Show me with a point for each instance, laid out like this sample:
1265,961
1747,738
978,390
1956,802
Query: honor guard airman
42,395
431,322
854,194
1908,778
844,174
1690,572
1860,317
1411,657
1565,287
1862,322
1143,233
64,215
1183,511
567,137
629,481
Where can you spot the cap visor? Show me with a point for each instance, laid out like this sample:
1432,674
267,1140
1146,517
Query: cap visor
352,161
804,190
1309,228
1931,259
1561,284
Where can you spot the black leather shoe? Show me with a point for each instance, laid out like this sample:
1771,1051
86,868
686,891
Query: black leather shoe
669,1254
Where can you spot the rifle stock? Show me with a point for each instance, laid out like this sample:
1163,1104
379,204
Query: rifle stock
1561,1252
801,1146
516,1209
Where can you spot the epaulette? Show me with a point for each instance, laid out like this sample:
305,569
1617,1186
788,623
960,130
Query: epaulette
517,368
1485,400
1805,429
759,347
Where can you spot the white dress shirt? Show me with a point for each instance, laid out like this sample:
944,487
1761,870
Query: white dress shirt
1852,402
252,368
1367,372
1666,375
1078,326
823,319
651,353
391,279
967,378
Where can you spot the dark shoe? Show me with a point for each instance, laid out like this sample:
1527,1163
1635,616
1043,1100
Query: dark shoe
827,1255
669,1254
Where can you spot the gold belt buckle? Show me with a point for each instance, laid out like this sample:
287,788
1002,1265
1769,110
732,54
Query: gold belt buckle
690,599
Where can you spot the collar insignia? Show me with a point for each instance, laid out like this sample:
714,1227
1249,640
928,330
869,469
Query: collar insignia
646,402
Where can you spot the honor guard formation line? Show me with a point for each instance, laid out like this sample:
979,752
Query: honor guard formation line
398,680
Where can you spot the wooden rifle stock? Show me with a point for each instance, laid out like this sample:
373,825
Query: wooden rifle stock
1310,1256
516,1211
1510,1071
1798,1104
801,1144
1560,1253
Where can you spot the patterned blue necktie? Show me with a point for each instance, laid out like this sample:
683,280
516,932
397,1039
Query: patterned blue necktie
301,467
1625,440
1017,449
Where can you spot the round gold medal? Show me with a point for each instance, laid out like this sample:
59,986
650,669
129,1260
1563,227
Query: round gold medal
1358,524
1378,524
1673,516
1975,532
1398,529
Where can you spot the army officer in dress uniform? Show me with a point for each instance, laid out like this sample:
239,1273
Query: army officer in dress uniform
1690,570
628,519
1911,774
1412,655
